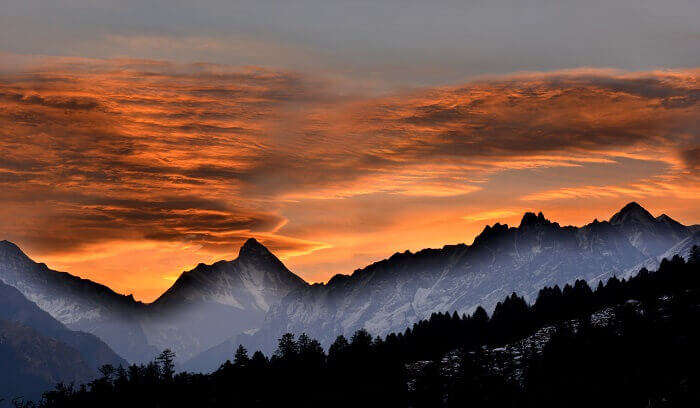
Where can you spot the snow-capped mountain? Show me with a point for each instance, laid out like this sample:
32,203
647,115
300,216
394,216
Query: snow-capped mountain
651,236
204,307
255,298
253,281
211,303
392,294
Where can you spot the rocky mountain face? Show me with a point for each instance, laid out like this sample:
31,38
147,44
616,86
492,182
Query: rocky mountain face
392,294
37,351
204,307
253,281
651,236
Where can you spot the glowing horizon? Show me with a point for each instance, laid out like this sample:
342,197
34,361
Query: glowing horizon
141,138
140,170
152,295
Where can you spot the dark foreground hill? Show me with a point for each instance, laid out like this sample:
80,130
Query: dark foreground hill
32,363
36,351
630,342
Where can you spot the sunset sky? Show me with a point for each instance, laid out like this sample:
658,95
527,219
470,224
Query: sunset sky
139,138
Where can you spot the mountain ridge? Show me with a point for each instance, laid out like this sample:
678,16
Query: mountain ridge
529,220
256,294
202,308
392,293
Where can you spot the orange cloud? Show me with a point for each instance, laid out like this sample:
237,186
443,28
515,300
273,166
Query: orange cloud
102,157
497,215
685,187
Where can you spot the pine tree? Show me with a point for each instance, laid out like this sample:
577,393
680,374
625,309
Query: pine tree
361,341
480,315
287,348
107,372
694,257
166,362
311,352
241,359
338,350
258,361
122,379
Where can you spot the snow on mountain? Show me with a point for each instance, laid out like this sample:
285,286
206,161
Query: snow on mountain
394,293
254,298
211,303
252,281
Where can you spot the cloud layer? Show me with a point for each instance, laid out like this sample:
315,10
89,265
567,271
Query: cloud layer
97,153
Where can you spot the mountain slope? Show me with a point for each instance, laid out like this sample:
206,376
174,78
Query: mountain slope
37,351
204,307
14,307
33,363
213,302
78,303
254,298
252,281
649,235
394,293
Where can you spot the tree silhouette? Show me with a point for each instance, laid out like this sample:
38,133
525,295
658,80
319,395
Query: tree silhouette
166,363
240,358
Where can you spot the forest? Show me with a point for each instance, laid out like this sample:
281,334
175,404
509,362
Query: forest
643,354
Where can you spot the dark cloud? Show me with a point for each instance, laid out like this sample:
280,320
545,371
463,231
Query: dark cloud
201,154
692,158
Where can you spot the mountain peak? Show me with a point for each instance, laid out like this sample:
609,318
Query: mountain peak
529,218
668,220
630,212
632,206
8,244
11,249
253,248
252,242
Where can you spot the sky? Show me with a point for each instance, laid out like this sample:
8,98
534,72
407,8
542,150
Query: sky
139,138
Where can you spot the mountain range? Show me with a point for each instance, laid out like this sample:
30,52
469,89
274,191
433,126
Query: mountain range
392,294
254,298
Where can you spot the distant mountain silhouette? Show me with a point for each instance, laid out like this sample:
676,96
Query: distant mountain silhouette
32,363
37,351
